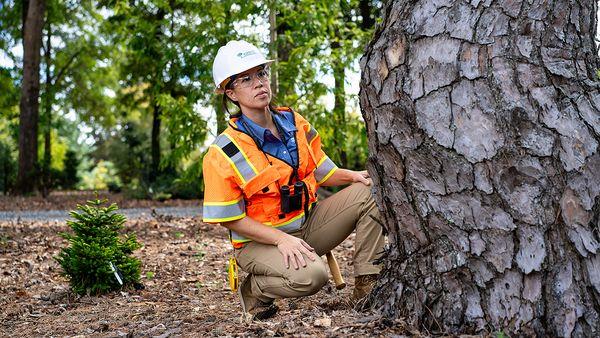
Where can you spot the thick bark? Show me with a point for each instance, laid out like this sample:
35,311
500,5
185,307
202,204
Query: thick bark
484,123
30,90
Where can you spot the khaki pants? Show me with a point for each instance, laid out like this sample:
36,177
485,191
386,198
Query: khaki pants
330,222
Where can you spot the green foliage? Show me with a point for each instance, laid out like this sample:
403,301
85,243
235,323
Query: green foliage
99,178
69,177
116,64
94,246
354,145
8,167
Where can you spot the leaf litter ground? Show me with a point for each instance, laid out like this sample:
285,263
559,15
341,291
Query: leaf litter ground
186,292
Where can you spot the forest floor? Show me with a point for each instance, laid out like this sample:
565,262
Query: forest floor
184,274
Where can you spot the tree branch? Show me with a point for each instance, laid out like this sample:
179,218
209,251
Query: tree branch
63,69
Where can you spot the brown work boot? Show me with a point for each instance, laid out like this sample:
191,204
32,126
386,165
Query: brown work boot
362,286
252,307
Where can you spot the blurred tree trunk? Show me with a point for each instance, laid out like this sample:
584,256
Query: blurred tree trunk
484,121
155,143
285,72
339,99
273,46
47,121
158,79
30,90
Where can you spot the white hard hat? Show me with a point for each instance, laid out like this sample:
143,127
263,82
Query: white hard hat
234,58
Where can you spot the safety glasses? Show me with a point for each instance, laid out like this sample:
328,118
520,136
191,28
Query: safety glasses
248,80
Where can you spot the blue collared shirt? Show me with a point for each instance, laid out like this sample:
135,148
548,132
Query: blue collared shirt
284,149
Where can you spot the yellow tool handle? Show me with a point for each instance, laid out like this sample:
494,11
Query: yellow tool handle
232,271
335,271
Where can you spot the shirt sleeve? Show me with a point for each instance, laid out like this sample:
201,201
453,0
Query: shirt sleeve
325,166
223,198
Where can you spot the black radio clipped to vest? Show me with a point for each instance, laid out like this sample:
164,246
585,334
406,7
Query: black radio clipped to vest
292,201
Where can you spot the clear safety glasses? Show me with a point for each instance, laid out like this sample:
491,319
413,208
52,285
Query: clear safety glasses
248,80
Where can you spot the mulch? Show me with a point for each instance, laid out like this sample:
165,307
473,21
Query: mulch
185,290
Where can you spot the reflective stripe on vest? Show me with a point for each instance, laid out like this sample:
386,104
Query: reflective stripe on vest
223,211
240,162
227,211
230,210
325,168
290,226
312,133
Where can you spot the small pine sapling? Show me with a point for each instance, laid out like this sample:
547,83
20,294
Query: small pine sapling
98,260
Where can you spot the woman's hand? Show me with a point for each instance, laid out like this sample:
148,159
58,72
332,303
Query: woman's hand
361,176
292,249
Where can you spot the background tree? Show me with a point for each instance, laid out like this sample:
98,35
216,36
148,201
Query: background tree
318,41
67,44
30,88
484,122
114,71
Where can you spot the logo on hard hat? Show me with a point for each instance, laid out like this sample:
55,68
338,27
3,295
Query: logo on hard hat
244,54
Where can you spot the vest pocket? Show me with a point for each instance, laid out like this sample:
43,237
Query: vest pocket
260,183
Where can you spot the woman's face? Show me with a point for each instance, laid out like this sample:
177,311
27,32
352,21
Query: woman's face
251,89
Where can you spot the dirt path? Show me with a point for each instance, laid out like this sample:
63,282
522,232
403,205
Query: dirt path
186,293
130,213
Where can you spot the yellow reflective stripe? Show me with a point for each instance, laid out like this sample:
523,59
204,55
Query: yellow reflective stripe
220,211
241,240
327,176
223,203
300,215
294,224
243,153
323,159
230,162
226,219
324,169
311,135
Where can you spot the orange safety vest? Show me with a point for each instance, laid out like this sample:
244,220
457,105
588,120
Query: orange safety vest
240,180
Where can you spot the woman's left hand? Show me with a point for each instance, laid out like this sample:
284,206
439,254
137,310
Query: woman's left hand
361,176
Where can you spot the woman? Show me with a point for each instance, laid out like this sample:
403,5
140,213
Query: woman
261,176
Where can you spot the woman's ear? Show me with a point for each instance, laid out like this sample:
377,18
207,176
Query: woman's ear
231,95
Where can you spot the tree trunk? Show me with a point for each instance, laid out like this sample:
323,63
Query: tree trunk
366,12
158,80
339,100
285,72
484,122
30,90
155,143
273,45
47,124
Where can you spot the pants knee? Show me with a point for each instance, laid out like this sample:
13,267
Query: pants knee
309,280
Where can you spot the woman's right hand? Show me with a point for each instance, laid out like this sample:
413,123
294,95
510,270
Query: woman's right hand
292,248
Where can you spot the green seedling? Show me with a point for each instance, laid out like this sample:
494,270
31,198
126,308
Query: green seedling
149,275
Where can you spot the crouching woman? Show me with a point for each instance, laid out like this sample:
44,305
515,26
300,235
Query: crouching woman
261,176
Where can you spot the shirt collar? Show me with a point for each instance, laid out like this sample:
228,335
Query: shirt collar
287,127
255,129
